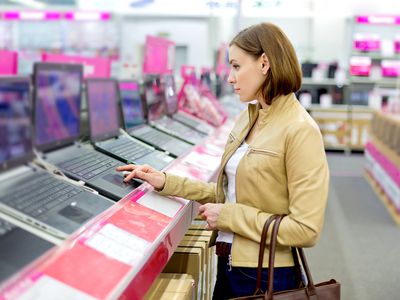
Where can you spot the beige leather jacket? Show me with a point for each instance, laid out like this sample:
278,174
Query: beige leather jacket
283,172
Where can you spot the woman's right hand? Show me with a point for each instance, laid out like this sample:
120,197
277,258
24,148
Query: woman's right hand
146,173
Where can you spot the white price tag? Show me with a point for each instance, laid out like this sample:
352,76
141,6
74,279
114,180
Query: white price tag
118,244
166,206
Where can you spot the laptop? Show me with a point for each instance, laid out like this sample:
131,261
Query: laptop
171,101
18,248
27,192
57,98
135,122
102,98
157,113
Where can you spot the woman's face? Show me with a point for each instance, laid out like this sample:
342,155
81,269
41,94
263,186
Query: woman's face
246,74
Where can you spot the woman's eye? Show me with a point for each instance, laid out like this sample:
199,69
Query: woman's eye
236,67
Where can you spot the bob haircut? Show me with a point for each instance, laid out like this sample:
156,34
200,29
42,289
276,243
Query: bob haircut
284,75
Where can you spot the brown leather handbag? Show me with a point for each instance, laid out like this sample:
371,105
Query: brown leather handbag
327,290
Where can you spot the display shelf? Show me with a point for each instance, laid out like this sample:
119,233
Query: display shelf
120,254
376,55
324,82
343,127
383,197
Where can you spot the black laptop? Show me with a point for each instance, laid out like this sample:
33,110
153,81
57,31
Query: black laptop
29,193
57,100
135,122
171,100
18,248
157,114
102,98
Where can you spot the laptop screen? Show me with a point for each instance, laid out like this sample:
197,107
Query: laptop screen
154,98
131,103
171,98
15,121
57,104
102,97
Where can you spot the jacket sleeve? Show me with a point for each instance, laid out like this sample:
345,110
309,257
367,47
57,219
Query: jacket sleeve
189,189
307,183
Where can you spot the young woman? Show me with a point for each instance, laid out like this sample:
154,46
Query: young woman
274,163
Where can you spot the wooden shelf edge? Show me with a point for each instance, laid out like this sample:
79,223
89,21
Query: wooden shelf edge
381,195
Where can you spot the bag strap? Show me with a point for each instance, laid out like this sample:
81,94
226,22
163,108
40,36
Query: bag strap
310,289
263,240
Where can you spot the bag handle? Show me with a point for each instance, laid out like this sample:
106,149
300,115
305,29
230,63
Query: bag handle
264,233
310,289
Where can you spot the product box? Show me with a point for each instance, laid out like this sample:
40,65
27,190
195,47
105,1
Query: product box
390,68
366,42
360,66
173,287
204,286
189,261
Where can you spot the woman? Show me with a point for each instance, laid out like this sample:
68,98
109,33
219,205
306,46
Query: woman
274,163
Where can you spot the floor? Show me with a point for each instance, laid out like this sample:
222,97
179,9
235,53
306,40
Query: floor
360,243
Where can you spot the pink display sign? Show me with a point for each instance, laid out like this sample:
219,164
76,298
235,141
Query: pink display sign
159,56
93,67
8,62
397,44
376,19
360,66
367,42
390,68
31,15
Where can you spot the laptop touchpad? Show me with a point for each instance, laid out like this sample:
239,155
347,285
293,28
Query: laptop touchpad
117,179
76,214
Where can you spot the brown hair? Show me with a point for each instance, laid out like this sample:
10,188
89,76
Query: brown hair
284,75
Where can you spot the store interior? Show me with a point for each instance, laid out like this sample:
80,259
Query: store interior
147,84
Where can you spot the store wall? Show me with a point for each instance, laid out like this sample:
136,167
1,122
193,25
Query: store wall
190,34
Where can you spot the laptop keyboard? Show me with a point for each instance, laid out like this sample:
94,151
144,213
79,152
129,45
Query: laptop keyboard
155,137
89,165
186,120
5,227
42,193
127,149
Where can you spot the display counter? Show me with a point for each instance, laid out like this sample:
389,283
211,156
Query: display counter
382,154
121,252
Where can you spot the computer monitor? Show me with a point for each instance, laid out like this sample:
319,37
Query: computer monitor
15,122
154,98
171,99
57,99
131,103
102,99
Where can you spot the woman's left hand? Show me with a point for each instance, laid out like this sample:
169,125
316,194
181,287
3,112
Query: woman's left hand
210,213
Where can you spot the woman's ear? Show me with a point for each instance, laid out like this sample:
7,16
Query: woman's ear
264,64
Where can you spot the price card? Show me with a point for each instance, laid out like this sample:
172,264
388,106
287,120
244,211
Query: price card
166,206
118,244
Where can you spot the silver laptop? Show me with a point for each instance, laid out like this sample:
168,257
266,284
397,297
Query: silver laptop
135,122
18,248
57,98
27,192
156,113
171,101
102,98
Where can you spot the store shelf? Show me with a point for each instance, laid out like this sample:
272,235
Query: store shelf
323,82
376,55
382,196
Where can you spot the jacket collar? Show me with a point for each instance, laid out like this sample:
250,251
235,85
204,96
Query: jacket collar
280,103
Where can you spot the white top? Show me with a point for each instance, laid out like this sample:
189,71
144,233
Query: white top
230,189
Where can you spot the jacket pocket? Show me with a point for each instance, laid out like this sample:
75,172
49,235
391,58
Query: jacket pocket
263,152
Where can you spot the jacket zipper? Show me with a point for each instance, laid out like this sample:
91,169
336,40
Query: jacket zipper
261,151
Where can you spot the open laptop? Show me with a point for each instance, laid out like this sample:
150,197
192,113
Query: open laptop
27,192
18,248
135,122
57,100
171,101
157,113
102,98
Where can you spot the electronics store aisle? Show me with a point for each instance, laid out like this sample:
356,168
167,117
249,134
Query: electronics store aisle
360,244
